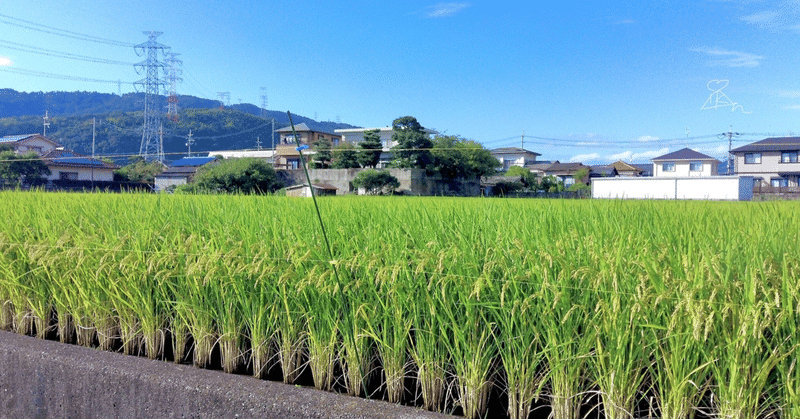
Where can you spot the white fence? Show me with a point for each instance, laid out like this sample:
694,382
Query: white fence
724,188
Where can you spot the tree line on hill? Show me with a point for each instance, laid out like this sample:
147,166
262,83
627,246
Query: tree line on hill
118,127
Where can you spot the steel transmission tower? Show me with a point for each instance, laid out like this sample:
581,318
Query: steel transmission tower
152,147
173,78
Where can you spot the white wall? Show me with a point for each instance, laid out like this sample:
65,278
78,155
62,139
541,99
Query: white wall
84,173
731,188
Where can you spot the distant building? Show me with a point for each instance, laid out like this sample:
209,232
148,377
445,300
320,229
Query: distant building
685,163
266,155
304,191
26,143
515,156
68,166
286,154
180,172
771,161
356,135
565,172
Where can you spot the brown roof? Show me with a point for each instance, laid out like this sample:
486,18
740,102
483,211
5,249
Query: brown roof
684,154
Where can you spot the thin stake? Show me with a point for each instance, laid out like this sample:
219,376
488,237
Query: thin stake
313,195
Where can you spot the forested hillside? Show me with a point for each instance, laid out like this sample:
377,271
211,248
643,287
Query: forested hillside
119,121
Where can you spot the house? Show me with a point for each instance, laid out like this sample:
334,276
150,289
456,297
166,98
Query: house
514,156
266,155
356,135
565,172
304,191
771,161
286,154
684,163
618,169
67,166
180,172
26,143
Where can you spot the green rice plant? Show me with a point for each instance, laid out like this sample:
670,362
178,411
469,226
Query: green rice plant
357,353
322,301
788,331
429,351
468,331
390,328
745,350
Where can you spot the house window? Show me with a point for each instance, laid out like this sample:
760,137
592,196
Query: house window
779,182
68,175
789,157
752,158
569,181
696,166
668,167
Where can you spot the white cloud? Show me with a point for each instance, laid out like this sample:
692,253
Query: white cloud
647,139
5,62
793,107
726,58
785,16
584,157
791,94
624,156
445,9
647,155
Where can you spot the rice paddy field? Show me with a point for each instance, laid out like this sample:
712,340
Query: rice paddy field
474,307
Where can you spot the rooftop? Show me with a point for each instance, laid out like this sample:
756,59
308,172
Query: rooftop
771,144
684,154
72,159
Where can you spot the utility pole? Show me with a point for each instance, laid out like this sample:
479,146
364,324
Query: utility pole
46,123
93,136
189,143
730,134
258,143
522,141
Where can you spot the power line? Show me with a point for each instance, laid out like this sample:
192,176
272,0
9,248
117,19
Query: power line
8,20
27,72
59,54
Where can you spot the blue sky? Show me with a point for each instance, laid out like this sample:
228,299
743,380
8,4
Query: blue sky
584,81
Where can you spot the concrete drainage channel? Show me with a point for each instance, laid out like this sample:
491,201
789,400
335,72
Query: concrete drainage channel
46,379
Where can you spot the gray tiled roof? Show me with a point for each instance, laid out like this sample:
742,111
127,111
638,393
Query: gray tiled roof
512,150
771,144
684,154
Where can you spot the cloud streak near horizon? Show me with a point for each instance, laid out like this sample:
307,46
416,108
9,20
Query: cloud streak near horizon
5,62
726,58
445,9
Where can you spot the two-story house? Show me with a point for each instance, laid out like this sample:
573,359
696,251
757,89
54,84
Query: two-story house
356,135
515,156
684,163
286,154
773,161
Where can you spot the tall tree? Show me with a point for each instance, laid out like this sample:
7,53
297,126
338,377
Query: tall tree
345,156
371,147
22,170
323,156
413,145
247,175
455,157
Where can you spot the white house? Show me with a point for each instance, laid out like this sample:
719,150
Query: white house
514,156
684,163
69,166
26,143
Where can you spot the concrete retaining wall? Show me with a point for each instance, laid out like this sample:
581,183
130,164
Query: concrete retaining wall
45,379
412,181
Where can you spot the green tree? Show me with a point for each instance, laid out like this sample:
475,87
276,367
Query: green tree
139,171
323,156
454,157
413,145
527,178
376,182
23,170
371,147
245,175
551,184
580,177
345,156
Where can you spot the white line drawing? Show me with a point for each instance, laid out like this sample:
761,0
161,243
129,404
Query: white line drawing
718,99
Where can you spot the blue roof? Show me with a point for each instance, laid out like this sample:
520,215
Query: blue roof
13,138
192,161
70,158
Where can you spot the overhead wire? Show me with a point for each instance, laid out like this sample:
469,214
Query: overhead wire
51,53
13,21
